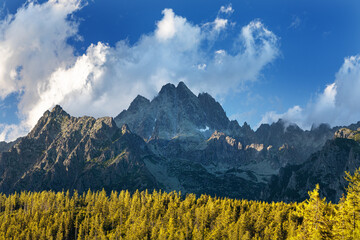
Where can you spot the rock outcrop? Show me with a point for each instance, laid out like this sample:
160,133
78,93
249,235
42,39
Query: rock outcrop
326,167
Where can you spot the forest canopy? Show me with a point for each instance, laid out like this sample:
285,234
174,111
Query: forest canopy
161,215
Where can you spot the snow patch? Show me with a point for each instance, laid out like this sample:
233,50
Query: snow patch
204,129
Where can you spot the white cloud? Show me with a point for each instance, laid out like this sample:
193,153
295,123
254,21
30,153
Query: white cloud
337,105
32,46
220,23
221,52
295,114
65,85
212,29
39,63
11,131
166,27
202,66
226,9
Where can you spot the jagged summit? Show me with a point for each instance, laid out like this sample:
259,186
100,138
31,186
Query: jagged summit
171,93
183,90
57,110
138,103
181,85
175,111
168,88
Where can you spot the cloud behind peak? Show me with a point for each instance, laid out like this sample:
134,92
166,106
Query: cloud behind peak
39,62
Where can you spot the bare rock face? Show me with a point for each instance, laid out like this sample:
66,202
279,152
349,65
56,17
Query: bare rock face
348,133
292,139
326,167
215,115
64,152
5,146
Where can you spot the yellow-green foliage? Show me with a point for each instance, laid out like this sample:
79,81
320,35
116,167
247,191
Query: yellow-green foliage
160,215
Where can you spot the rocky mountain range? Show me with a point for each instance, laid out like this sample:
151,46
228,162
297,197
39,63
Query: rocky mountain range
64,152
179,141
326,167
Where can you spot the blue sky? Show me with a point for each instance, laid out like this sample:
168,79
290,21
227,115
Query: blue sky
263,60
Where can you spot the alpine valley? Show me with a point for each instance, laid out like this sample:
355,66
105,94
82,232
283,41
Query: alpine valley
183,142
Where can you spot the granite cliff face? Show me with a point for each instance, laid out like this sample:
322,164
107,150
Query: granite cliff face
179,141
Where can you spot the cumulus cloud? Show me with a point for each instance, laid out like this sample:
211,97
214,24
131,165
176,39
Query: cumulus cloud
220,23
337,105
39,63
166,27
32,46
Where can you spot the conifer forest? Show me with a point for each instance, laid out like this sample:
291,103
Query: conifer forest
161,215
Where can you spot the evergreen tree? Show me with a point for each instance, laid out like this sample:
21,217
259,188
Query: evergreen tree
316,222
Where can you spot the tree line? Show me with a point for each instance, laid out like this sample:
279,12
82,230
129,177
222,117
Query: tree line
161,215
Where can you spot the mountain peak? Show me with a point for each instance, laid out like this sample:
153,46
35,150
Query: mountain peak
246,125
50,122
167,89
184,93
57,108
181,85
180,89
140,98
58,111
175,110
138,103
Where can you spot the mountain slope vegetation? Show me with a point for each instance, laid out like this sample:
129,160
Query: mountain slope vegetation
161,215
